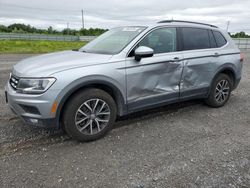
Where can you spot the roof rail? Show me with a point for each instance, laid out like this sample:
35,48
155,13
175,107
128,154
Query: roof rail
169,21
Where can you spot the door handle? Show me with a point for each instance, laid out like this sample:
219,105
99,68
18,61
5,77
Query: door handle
176,59
216,55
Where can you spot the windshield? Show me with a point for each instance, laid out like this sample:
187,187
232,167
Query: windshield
113,41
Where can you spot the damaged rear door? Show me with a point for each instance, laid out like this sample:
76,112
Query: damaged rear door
200,60
155,80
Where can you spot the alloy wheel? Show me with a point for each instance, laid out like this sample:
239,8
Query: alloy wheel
222,91
92,116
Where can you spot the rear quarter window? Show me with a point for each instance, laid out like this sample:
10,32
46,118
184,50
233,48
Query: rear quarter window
219,38
195,38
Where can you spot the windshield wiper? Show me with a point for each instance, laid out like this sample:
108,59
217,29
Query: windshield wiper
78,50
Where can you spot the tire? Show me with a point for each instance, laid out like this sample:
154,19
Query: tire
220,91
81,123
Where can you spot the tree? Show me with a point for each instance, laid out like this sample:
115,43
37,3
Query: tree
241,34
4,29
50,30
22,28
16,30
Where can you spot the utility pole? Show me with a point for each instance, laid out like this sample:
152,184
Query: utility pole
68,28
82,20
228,23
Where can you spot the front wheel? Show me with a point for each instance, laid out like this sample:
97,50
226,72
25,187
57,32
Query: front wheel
220,91
89,115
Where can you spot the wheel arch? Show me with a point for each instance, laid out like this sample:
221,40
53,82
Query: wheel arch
227,69
106,86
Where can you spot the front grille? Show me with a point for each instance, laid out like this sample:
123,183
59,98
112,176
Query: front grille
14,82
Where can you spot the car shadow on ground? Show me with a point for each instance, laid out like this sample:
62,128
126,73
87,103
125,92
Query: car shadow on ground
154,112
35,136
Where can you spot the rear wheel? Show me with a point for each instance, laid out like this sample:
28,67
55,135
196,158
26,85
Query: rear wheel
89,115
220,91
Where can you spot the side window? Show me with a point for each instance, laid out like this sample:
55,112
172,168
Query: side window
212,40
219,38
161,40
195,38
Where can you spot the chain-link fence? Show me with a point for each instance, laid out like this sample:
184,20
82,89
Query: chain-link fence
25,36
242,43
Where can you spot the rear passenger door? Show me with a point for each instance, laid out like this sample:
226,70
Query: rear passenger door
199,51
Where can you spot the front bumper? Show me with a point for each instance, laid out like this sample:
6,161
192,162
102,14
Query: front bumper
33,109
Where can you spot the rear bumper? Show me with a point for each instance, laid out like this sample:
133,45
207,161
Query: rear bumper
34,110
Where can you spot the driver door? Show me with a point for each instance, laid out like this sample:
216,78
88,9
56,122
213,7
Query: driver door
155,80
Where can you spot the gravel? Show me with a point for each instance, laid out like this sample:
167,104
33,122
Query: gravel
180,145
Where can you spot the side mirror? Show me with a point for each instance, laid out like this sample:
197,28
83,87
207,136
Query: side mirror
142,52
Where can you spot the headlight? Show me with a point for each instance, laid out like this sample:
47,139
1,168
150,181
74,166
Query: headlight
34,85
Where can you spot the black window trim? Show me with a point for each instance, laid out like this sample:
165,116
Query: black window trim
178,42
221,35
212,35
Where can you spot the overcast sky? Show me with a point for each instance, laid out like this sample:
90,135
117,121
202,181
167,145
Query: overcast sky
111,13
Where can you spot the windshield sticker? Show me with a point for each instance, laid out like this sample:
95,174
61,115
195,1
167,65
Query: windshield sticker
132,29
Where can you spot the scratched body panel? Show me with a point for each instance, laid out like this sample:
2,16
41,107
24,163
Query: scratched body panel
197,72
153,77
201,66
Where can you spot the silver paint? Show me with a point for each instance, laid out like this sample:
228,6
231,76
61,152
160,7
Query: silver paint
153,80
153,76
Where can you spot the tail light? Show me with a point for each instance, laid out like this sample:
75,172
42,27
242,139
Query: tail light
242,57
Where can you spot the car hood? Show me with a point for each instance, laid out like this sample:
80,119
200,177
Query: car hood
45,65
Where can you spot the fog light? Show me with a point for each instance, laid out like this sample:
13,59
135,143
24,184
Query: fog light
34,121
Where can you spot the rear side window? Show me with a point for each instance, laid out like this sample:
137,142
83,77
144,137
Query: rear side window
219,38
195,38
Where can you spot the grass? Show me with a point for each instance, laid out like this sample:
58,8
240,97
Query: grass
32,47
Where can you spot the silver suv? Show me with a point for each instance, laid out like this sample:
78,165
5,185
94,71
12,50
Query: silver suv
125,70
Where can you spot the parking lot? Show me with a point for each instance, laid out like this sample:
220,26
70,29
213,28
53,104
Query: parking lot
180,145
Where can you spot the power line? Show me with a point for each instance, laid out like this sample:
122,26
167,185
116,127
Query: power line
36,8
52,10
